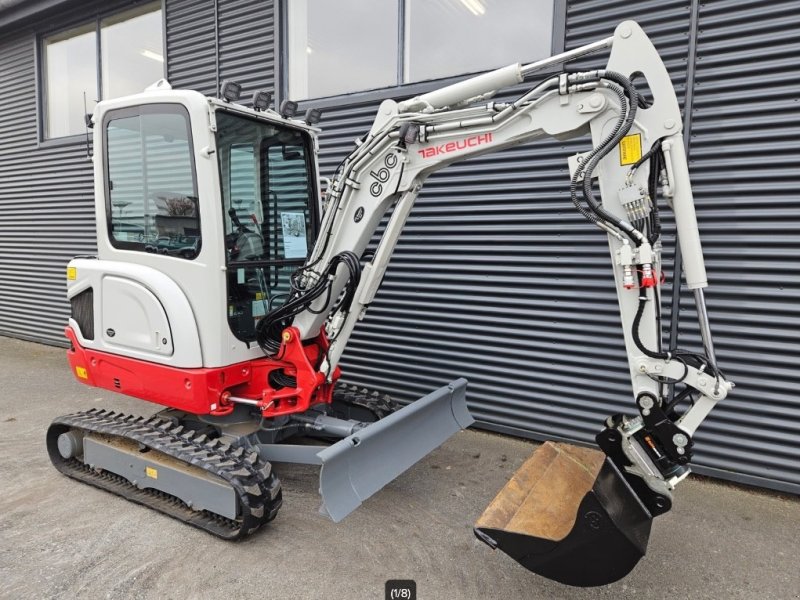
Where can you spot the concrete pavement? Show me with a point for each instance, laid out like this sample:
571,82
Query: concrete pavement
62,539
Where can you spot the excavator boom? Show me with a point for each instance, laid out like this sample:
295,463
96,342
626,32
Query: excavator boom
149,312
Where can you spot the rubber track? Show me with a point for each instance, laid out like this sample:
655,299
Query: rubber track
258,490
380,405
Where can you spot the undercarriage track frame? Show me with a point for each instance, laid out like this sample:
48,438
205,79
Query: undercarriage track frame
258,491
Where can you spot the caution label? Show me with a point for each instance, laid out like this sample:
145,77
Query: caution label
72,273
630,149
151,472
81,372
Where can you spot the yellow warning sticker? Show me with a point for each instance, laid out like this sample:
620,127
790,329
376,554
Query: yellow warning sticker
259,295
81,372
151,472
72,273
630,149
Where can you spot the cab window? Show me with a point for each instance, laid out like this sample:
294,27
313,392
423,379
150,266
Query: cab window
151,192
268,196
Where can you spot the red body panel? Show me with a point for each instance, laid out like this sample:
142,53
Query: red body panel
207,390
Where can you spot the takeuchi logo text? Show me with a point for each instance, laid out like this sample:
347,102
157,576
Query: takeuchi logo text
470,142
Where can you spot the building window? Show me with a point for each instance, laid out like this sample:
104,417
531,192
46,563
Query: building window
128,58
152,189
338,47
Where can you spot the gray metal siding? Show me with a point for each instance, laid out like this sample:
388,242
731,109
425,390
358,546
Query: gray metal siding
497,278
46,212
191,45
745,165
213,40
247,44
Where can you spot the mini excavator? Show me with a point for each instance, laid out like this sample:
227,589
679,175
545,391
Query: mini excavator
225,288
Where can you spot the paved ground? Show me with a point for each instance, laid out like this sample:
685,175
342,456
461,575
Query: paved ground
61,539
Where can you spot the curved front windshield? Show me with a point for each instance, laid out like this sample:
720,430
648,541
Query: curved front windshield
268,211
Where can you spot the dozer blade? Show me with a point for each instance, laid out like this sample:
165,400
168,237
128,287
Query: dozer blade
356,467
569,515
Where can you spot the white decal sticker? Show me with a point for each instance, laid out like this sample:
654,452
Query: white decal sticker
294,235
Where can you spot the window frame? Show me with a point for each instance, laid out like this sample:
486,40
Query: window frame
40,65
132,111
313,182
401,89
232,266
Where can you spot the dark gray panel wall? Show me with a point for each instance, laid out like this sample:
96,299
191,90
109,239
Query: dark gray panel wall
246,45
209,41
192,45
46,194
497,278
745,164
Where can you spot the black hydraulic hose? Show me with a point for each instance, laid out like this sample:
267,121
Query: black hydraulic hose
591,216
678,399
637,320
655,168
620,131
270,327
656,146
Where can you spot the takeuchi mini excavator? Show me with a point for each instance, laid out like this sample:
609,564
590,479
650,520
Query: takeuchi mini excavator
225,288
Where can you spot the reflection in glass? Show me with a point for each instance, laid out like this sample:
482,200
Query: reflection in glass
267,198
341,46
70,72
451,37
132,51
151,185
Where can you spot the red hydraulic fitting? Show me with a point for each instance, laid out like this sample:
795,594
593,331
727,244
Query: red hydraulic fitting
648,280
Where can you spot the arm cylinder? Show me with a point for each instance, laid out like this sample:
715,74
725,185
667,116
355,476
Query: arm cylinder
685,217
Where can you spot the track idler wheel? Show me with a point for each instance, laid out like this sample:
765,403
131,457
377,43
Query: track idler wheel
569,515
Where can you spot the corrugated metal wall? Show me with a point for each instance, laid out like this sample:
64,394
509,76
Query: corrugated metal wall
499,279
496,277
191,45
214,40
745,165
46,192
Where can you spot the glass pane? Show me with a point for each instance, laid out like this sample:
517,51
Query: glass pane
264,169
153,196
244,181
269,226
340,47
70,72
451,37
254,291
132,51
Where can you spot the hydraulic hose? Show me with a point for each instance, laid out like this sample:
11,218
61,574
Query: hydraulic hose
620,131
